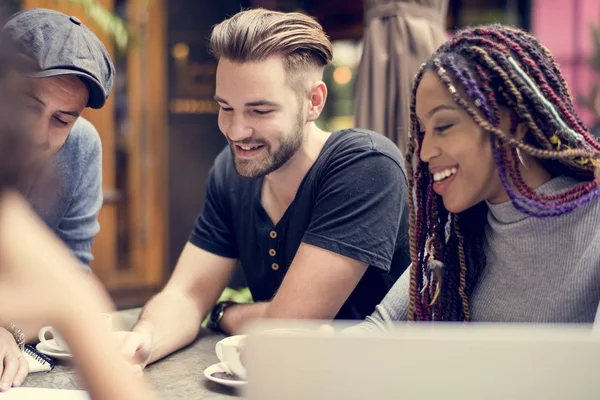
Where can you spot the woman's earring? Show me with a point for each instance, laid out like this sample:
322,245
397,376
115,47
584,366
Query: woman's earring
521,158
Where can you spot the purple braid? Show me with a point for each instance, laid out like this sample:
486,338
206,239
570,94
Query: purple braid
469,84
532,207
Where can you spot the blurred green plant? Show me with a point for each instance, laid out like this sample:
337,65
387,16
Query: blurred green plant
111,24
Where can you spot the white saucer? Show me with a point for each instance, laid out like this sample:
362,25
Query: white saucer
218,367
60,355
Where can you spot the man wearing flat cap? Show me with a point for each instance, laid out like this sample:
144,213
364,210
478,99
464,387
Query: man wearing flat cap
58,67
71,70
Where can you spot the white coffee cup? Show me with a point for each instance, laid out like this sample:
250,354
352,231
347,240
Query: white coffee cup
228,353
57,342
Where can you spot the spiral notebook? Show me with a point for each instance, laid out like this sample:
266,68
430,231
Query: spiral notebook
37,361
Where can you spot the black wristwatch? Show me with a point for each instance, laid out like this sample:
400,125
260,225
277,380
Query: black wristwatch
216,315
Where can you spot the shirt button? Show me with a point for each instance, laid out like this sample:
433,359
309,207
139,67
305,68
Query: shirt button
272,252
275,266
273,234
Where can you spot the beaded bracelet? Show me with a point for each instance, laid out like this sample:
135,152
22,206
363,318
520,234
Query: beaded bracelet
17,334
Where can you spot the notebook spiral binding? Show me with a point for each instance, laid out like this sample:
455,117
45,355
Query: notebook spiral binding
39,357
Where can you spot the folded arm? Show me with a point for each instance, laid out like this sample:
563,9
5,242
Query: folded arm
315,287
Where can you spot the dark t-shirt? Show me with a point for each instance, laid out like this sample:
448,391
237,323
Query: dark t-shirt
353,201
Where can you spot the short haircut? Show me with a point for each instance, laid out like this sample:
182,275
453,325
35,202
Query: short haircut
258,34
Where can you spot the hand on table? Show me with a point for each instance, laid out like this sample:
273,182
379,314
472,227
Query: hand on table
13,366
136,347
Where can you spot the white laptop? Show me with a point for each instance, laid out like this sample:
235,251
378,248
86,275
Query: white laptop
441,362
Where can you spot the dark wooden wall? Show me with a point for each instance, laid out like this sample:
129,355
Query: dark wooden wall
194,138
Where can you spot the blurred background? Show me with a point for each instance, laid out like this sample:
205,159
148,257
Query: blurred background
159,128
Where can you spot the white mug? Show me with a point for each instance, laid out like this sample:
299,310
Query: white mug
229,354
57,342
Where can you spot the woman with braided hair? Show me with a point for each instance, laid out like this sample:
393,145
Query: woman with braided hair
504,211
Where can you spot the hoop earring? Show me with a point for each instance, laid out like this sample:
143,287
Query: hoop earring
521,159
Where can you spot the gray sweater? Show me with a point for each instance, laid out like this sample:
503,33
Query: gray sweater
538,269
70,208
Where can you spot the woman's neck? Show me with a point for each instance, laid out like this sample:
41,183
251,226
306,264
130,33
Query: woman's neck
533,173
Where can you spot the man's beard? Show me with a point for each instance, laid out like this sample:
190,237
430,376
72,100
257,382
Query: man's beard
288,147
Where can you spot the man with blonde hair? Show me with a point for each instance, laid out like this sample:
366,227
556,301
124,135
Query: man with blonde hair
317,219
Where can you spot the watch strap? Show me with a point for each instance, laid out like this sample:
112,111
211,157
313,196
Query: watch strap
217,313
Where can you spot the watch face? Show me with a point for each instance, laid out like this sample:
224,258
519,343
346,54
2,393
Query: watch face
216,315
213,316
221,311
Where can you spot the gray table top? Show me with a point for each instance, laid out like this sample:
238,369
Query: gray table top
178,376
